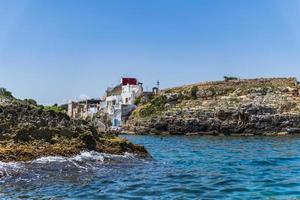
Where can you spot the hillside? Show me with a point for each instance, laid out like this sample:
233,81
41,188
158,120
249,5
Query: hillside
242,107
29,131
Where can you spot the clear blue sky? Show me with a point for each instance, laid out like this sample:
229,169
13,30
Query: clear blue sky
55,50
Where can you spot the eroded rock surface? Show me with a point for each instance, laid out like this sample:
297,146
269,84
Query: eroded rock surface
29,131
241,107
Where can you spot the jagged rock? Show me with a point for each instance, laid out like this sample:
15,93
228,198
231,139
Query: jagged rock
243,107
28,132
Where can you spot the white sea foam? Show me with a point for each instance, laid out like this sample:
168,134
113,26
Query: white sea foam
6,169
89,155
11,165
83,156
49,159
82,161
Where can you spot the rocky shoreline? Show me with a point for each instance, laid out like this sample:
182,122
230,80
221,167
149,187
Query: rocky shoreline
232,107
29,131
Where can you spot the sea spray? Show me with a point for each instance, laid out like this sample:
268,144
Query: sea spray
87,160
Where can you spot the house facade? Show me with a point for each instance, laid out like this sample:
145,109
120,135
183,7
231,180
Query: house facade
84,109
120,99
118,102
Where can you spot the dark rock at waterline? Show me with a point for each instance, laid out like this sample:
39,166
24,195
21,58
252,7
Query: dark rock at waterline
28,132
230,123
238,107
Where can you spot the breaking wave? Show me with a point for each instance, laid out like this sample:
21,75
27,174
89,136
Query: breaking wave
6,169
86,161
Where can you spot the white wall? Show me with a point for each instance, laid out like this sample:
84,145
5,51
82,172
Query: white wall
110,103
129,93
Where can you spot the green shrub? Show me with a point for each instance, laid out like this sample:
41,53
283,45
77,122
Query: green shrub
180,96
54,108
5,93
194,91
137,101
31,101
230,78
156,106
159,101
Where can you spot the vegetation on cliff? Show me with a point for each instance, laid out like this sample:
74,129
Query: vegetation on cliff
233,106
152,108
29,131
5,94
54,108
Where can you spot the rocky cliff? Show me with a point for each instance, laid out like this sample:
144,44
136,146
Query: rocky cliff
233,107
29,131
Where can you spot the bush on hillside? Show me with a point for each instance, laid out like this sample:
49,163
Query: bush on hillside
230,78
31,101
54,108
155,106
5,93
194,91
137,101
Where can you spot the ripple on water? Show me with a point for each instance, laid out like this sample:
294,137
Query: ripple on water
182,168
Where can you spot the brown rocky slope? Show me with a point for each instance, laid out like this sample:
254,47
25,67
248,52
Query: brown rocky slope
233,107
28,131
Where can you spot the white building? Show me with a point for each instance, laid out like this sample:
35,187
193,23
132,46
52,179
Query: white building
86,108
120,99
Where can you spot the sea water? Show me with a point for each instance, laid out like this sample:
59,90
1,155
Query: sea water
181,167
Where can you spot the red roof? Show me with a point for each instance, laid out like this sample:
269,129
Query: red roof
130,81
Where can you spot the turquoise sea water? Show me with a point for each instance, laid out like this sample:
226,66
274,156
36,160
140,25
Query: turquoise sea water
182,168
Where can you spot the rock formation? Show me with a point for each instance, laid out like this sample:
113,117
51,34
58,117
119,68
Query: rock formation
29,131
232,107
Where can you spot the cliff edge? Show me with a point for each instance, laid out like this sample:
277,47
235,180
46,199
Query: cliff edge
264,106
